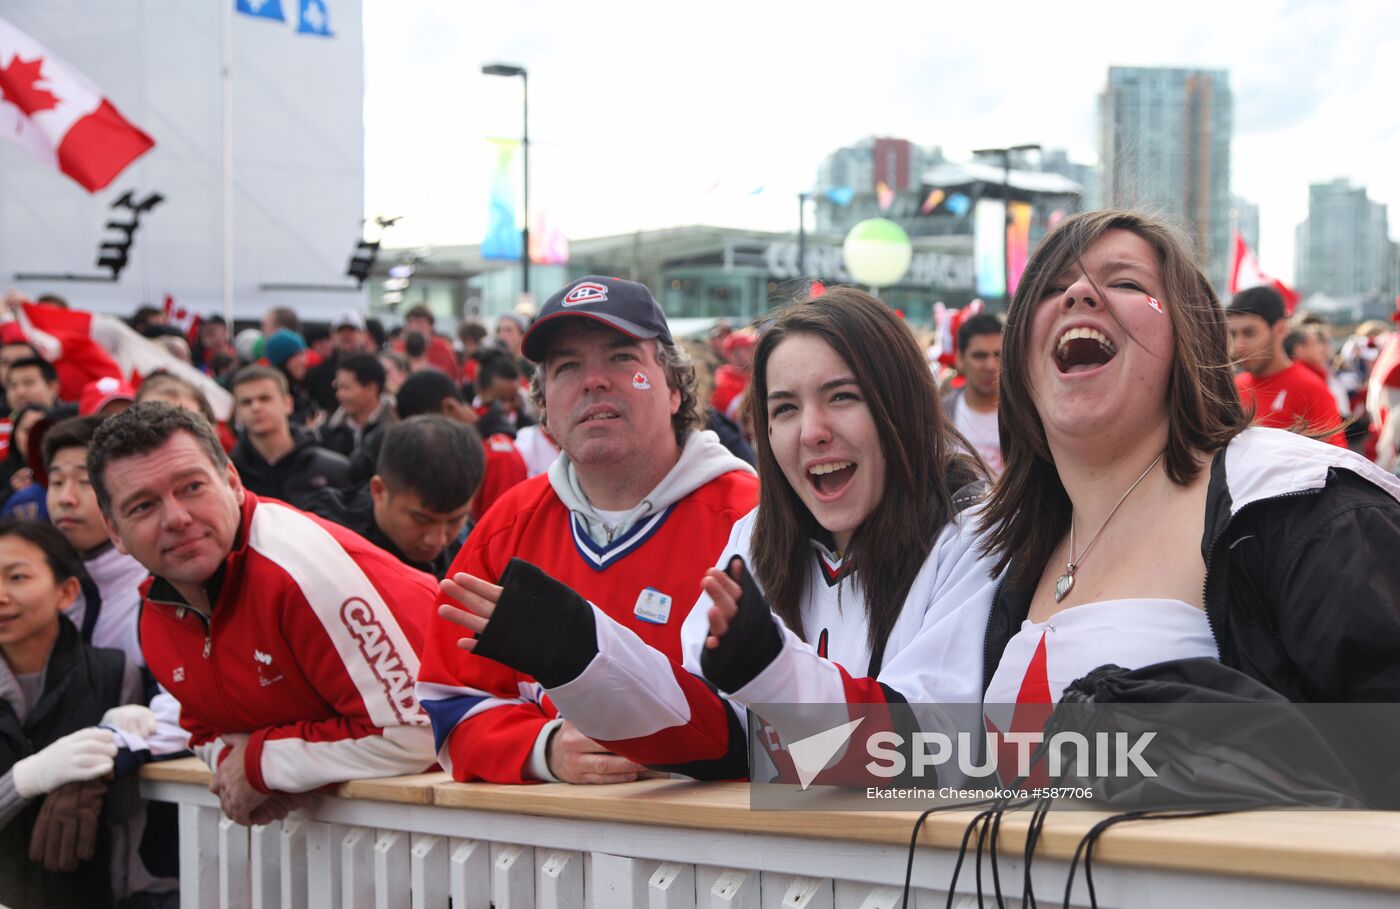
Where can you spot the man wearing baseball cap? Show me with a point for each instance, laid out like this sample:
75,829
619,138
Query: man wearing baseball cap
639,503
348,338
1281,392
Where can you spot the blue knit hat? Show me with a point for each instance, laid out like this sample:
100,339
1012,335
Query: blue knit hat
282,345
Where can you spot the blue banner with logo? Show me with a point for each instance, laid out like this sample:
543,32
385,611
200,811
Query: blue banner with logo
315,19
262,9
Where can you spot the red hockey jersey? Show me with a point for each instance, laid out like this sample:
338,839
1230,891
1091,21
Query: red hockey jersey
487,717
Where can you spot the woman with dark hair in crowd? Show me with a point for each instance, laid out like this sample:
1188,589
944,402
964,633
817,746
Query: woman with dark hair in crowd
15,470
54,760
1141,520
857,543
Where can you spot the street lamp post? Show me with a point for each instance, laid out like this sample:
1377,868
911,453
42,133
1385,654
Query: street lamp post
507,69
1006,205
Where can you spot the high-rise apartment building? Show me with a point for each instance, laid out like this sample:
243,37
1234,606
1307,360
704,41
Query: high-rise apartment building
1164,140
1244,216
1344,248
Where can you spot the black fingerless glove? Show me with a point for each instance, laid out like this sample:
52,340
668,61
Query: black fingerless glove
751,644
539,627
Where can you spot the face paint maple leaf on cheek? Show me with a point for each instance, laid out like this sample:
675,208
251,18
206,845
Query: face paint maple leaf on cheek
18,86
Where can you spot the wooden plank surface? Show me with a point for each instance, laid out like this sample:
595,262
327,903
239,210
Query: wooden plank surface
1331,847
405,790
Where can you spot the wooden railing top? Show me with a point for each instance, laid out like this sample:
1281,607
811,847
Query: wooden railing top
1358,848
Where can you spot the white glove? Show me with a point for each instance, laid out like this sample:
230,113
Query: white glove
77,757
133,719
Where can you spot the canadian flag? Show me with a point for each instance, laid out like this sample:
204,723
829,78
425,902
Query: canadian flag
60,117
1245,272
948,321
85,346
64,337
180,317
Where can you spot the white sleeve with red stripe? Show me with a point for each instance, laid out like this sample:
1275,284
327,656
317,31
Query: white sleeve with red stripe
352,648
211,752
673,719
170,737
933,655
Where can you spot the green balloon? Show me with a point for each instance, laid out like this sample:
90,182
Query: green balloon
877,252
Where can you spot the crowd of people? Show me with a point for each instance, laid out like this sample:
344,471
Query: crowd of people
581,550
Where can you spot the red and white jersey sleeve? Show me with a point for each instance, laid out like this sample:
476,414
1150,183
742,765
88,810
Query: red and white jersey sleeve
486,716
931,655
677,720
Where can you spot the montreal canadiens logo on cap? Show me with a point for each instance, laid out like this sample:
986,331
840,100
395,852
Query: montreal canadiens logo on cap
587,292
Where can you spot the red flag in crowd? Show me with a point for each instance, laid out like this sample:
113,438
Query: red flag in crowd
1245,272
180,317
64,337
59,116
948,321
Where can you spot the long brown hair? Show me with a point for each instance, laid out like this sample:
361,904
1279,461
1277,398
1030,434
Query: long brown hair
1029,511
926,460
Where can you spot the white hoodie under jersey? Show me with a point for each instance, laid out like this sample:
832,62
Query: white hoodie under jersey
702,459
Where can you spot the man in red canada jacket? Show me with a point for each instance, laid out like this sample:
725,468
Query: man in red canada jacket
291,644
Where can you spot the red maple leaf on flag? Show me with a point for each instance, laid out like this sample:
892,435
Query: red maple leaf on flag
18,85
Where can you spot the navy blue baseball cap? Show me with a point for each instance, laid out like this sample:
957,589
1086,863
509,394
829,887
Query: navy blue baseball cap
623,305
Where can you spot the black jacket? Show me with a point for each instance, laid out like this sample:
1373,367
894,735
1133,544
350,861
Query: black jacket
302,471
80,684
731,435
320,382
1302,588
337,435
355,511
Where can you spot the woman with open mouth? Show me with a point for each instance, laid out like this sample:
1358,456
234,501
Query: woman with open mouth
1140,518
858,578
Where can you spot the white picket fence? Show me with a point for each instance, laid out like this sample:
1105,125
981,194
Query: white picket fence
425,842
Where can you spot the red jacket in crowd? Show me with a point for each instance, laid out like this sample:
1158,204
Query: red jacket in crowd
1290,395
312,649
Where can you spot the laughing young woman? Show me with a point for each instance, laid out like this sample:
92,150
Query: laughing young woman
1141,520
857,543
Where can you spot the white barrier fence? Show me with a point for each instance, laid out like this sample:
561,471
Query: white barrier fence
426,842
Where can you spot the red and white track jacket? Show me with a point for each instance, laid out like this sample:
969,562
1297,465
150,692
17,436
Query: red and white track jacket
312,649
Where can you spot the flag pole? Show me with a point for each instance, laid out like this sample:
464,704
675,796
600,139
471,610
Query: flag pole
226,80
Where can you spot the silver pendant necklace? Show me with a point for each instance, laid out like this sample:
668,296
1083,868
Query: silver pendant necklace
1066,580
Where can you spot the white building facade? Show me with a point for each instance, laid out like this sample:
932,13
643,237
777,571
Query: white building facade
294,141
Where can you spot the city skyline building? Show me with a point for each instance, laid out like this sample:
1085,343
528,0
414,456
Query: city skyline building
1164,146
1244,216
1343,246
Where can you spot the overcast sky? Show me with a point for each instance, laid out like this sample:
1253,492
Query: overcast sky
638,109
